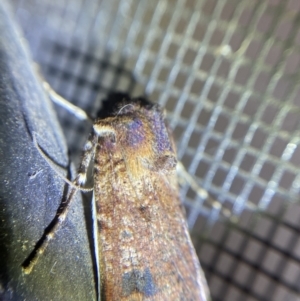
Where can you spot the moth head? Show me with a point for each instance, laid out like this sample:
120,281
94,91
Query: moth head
141,135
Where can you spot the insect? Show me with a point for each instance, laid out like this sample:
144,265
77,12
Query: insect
143,248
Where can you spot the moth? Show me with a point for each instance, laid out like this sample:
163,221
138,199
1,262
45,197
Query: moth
143,248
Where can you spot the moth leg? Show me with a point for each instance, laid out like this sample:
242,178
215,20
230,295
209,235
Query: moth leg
76,111
53,167
58,99
184,176
80,180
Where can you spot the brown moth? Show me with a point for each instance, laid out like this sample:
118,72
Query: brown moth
144,250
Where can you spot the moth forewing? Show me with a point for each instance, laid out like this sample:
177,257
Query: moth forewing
145,252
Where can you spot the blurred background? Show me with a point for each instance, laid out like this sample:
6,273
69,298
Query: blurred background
227,73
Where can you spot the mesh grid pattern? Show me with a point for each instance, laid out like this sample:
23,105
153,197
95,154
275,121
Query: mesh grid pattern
226,71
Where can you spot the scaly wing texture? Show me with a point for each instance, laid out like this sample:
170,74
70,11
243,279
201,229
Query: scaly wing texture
144,247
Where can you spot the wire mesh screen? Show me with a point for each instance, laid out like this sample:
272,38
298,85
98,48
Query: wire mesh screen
226,71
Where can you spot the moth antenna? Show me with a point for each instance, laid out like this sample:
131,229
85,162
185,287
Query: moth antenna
52,166
48,236
203,194
129,104
33,258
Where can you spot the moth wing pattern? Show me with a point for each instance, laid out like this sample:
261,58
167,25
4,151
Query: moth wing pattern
145,251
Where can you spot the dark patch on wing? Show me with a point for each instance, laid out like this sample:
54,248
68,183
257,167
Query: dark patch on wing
100,225
145,212
126,234
138,281
135,132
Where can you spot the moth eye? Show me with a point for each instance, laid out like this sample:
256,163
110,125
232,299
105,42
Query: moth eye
112,138
108,137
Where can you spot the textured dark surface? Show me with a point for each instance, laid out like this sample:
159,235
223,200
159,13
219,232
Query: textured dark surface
30,192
